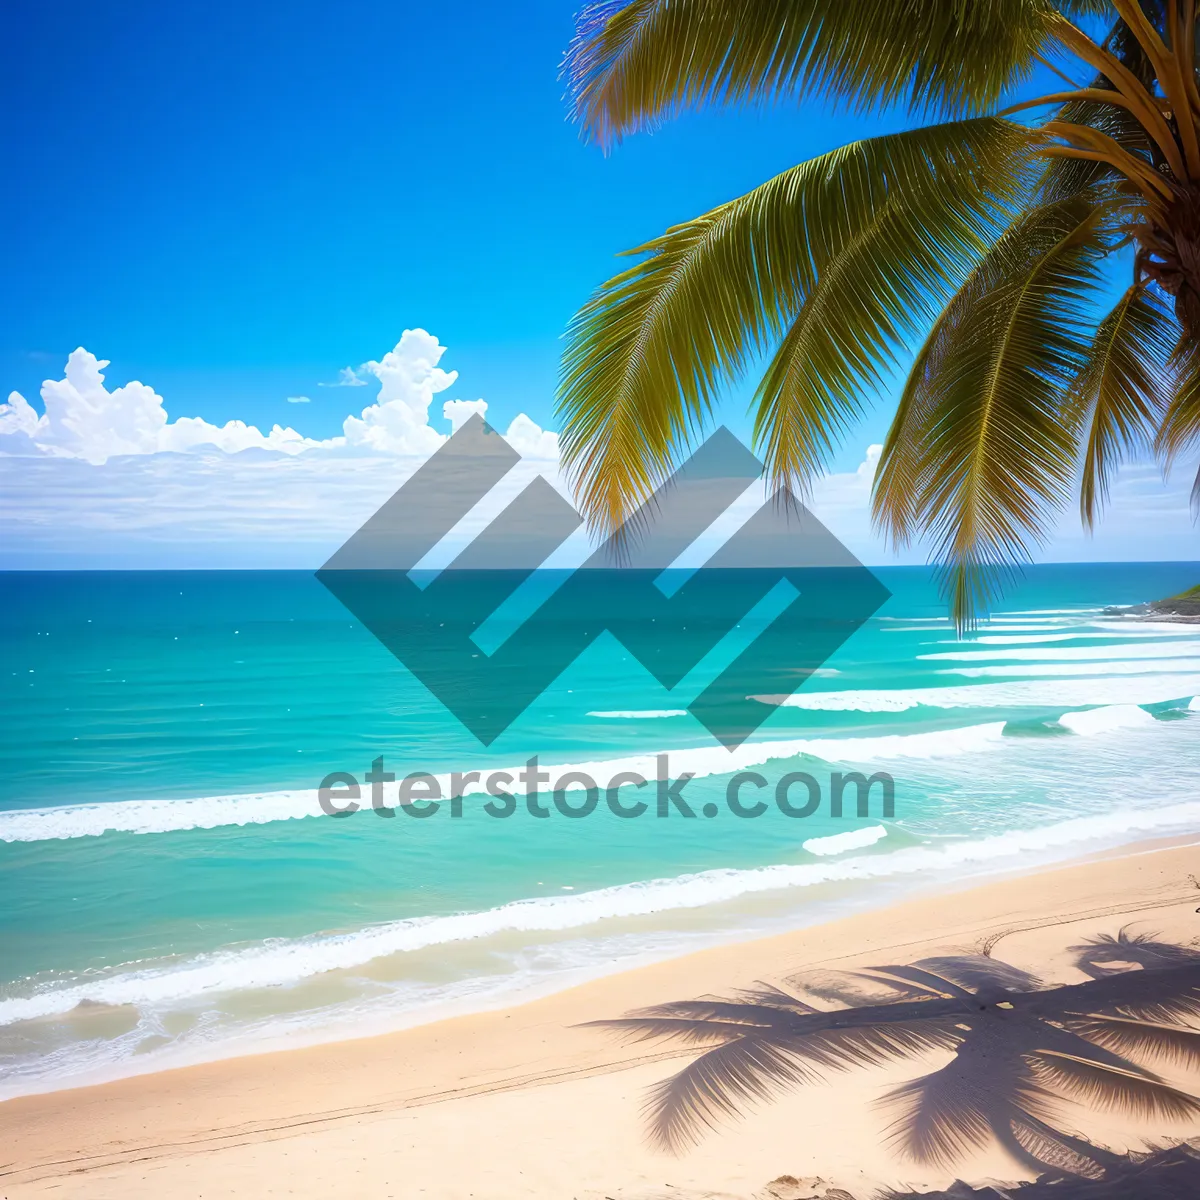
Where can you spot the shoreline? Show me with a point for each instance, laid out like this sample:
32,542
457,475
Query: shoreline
797,896
529,1063
767,901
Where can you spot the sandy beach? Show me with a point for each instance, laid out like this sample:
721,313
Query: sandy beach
523,1102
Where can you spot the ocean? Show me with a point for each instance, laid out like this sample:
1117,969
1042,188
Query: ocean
171,891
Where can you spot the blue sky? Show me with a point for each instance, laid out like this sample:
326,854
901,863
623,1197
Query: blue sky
232,202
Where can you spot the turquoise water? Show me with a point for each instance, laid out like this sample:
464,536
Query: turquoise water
172,892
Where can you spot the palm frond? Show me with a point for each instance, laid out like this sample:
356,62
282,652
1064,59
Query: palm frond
939,1117
896,482
632,65
716,1085
648,354
1085,8
1018,1054
1132,1038
759,1062
1179,431
767,994
688,1031
1108,1087
1166,994
867,302
917,976
744,1010
1121,392
1041,1146
947,1113
856,989
755,1049
1145,949
980,453
977,971
1064,177
836,1040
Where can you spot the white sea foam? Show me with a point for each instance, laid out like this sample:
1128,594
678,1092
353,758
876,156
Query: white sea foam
285,962
860,701
1002,639
637,714
1067,653
1194,704
1104,720
1042,627
1150,628
156,816
1028,693
1035,637
210,812
840,843
1045,612
1076,670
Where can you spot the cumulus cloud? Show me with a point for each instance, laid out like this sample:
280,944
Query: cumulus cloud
458,411
409,378
347,377
105,477
531,440
83,419
18,421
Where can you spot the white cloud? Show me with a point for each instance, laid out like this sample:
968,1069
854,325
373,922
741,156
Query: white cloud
84,419
202,509
18,421
347,377
531,440
409,377
458,411
107,478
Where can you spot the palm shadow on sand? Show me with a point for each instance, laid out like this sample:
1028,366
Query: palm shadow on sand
1021,1051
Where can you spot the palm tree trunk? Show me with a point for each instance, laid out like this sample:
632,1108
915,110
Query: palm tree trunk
1169,254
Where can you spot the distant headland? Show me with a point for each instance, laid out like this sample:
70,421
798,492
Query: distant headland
1183,607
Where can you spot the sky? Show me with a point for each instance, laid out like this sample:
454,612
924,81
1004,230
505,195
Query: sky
232,212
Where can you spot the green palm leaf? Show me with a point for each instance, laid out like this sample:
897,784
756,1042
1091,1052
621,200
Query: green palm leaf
1121,392
634,64
980,448
1180,427
647,355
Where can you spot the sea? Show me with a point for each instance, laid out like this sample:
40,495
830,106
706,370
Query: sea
171,890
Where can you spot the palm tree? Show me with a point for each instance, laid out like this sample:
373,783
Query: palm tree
1098,956
979,245
1019,1051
